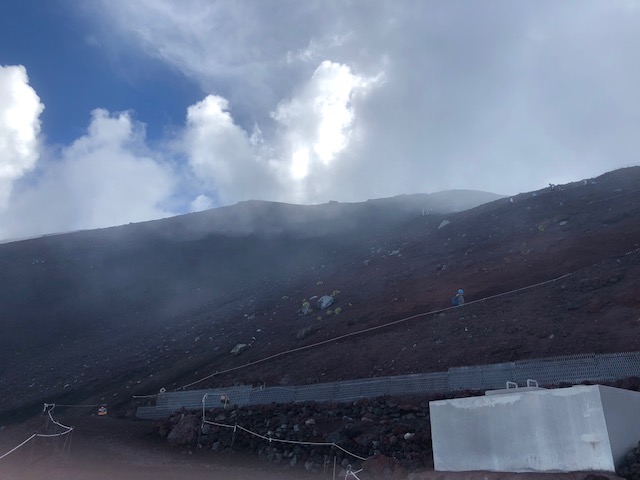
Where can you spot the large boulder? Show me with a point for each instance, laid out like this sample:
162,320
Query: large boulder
185,432
383,467
239,348
325,302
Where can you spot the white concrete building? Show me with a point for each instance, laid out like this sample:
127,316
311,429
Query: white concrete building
529,429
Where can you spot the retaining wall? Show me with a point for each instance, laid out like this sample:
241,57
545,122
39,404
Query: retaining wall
572,369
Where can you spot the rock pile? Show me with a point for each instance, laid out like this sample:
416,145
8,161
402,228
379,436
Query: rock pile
630,468
393,435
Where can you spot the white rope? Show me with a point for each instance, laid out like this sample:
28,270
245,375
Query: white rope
17,447
218,424
48,407
615,196
280,440
370,329
352,473
59,424
51,435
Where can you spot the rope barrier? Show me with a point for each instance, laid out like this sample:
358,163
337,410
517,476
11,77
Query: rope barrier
351,473
615,196
280,440
18,446
52,435
370,329
271,439
48,408
59,424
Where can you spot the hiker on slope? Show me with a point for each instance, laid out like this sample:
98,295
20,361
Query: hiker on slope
458,300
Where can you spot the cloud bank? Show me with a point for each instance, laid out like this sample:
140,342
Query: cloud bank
312,128
111,175
498,96
106,177
327,100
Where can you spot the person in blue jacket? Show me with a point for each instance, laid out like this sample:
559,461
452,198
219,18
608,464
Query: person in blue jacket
458,300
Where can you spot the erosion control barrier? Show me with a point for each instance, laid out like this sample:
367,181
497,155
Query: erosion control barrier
571,369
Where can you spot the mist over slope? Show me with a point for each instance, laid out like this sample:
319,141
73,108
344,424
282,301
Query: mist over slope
101,315
65,295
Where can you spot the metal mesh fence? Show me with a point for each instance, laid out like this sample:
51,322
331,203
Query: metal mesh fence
570,369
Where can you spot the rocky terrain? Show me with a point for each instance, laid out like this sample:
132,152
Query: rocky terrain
387,437
100,316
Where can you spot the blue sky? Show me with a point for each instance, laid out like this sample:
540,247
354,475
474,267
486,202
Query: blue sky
114,111
72,76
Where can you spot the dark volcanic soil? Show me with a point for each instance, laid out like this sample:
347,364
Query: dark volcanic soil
99,316
104,448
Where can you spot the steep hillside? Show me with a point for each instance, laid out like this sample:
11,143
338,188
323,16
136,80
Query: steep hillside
102,315
589,231
91,310
96,317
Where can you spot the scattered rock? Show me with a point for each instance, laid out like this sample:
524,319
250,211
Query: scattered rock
306,308
305,332
239,348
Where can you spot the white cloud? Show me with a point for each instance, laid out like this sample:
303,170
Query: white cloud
318,48
223,155
316,124
110,176
501,96
20,110
106,177
201,202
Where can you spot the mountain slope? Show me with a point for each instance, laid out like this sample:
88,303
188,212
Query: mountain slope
88,307
105,314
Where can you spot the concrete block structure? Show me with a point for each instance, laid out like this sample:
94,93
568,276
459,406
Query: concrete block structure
519,430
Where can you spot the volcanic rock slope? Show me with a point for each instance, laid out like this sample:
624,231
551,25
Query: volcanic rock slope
99,316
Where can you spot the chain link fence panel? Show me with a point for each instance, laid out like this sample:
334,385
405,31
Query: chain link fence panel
571,369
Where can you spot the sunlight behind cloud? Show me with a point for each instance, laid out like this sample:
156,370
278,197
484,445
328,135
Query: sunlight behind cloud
317,121
314,126
300,164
